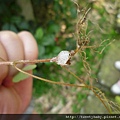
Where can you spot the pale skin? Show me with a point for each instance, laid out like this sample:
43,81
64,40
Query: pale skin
15,97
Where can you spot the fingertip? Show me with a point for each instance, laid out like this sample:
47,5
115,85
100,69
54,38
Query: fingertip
3,68
14,50
30,45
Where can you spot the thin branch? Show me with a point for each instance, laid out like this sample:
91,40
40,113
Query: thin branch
49,81
24,62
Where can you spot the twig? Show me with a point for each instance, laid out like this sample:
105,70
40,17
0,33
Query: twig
24,62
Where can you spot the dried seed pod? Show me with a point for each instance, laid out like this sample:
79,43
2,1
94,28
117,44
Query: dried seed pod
62,59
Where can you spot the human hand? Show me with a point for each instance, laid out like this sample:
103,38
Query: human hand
15,97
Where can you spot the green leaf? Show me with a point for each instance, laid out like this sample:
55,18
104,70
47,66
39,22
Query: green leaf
13,28
48,40
54,28
24,25
56,49
73,12
39,33
21,76
29,67
41,51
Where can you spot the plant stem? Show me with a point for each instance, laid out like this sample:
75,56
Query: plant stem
24,62
49,81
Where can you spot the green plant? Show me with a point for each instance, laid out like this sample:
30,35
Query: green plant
51,40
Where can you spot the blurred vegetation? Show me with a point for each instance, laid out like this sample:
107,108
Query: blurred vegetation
52,28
